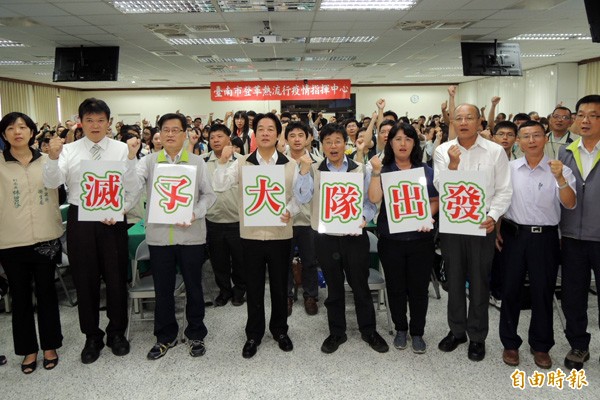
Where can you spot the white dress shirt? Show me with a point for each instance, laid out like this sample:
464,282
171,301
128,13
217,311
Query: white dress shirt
536,197
66,170
490,159
587,158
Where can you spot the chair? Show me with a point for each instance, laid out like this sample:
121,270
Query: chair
377,282
142,288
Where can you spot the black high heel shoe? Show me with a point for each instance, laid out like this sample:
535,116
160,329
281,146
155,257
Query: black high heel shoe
50,363
28,368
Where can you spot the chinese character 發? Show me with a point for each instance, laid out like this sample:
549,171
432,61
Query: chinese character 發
170,190
342,201
265,195
102,192
463,202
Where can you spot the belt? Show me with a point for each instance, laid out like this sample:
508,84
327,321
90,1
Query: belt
516,228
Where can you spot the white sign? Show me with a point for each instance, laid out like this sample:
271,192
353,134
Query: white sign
406,200
264,199
341,203
173,194
462,202
102,194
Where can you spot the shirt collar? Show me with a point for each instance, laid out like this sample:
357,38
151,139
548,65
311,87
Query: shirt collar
582,147
271,161
344,166
181,157
102,143
543,164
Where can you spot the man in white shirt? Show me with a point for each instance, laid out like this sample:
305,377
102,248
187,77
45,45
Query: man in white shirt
472,255
560,121
97,250
528,239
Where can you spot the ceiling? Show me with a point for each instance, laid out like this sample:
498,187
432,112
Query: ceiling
416,46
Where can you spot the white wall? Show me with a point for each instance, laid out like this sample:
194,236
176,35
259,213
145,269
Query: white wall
539,89
150,103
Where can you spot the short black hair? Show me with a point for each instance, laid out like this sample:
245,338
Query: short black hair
530,123
390,113
251,113
197,118
521,117
170,116
386,122
562,108
349,121
271,116
93,106
239,143
219,128
505,125
592,98
286,114
330,129
297,125
10,119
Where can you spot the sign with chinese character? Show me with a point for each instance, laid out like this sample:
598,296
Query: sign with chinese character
264,198
281,90
462,202
341,203
406,200
172,196
102,195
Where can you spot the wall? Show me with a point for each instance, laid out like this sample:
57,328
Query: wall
197,101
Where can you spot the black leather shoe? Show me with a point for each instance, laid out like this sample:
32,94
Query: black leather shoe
221,300
91,350
451,342
332,343
376,342
285,343
118,344
238,301
476,351
250,348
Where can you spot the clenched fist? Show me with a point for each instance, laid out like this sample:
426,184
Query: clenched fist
56,146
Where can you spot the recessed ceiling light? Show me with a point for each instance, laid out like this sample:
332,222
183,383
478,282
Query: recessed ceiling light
21,62
343,39
163,6
10,43
334,58
548,36
367,5
196,41
222,60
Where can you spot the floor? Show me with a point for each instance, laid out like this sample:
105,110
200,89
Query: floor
353,372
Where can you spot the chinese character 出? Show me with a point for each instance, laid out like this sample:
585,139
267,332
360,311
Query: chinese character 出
342,201
265,194
170,189
463,202
102,192
407,201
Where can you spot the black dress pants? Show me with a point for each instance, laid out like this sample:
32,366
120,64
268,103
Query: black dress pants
347,256
260,255
536,255
225,248
98,251
23,267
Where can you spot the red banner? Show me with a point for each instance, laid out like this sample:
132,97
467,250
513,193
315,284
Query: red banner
281,90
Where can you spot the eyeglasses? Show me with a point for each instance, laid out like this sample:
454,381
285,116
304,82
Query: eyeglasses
331,143
171,130
505,134
590,117
534,137
468,118
563,117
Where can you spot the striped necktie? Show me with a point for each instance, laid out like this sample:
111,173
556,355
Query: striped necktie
96,151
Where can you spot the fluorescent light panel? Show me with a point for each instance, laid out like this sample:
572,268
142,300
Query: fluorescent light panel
343,39
540,55
21,62
548,36
163,6
367,5
265,5
212,60
197,41
10,43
